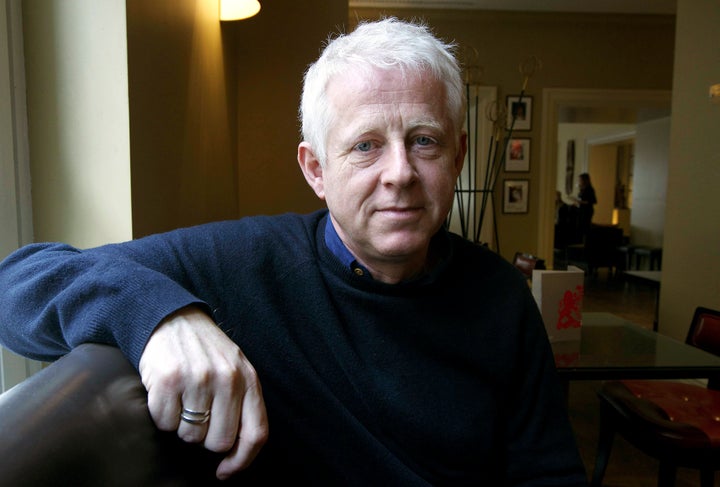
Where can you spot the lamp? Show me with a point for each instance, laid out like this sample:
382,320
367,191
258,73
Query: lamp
238,9
715,93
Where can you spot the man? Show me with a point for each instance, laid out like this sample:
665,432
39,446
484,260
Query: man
389,351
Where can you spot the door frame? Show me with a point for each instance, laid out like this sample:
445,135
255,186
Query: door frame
553,100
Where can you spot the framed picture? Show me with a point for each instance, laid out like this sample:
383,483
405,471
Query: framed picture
521,110
515,195
517,155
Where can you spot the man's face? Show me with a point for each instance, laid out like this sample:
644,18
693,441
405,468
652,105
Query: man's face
393,155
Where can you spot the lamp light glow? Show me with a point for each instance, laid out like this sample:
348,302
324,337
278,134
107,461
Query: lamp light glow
238,9
715,93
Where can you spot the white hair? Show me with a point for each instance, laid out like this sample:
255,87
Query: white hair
385,44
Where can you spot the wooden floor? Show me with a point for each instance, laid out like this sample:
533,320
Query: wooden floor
628,467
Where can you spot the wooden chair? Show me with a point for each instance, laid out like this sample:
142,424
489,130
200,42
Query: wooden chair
677,423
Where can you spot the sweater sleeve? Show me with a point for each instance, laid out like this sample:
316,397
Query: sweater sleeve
55,297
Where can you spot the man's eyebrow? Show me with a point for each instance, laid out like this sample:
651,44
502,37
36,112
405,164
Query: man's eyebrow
357,133
426,123
368,128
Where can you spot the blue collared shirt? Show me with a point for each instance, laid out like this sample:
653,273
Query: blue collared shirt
338,248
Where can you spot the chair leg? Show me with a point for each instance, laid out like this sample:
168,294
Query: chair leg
707,478
605,442
666,475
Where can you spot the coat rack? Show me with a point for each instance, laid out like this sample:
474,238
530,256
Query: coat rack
475,188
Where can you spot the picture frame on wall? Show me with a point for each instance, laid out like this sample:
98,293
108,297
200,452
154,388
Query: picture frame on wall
521,109
516,195
517,155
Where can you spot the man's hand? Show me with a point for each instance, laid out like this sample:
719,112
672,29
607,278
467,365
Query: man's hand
190,363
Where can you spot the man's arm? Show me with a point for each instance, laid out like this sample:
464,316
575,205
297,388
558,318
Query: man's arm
56,297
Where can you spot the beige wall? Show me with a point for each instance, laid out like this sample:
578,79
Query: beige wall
602,167
577,51
78,120
181,116
213,109
650,176
691,255
212,113
274,51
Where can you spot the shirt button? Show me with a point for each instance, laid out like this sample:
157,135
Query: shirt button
358,271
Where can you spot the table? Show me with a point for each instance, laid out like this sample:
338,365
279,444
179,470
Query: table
612,348
653,278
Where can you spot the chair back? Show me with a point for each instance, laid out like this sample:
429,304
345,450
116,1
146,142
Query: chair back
525,263
704,332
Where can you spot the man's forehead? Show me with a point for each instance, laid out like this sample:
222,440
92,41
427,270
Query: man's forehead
381,85
372,77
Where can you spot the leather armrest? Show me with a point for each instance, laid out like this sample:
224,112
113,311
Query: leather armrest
83,420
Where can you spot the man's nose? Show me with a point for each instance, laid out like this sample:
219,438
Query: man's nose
399,169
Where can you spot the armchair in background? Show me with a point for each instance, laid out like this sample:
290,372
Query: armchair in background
600,248
525,263
674,422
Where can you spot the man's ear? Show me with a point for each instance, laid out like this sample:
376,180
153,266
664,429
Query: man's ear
311,169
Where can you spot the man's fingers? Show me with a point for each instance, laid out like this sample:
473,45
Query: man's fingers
165,411
252,436
164,399
194,422
224,422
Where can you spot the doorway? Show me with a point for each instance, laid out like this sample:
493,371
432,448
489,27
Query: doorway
563,104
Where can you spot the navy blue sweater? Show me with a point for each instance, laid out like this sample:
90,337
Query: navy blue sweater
446,380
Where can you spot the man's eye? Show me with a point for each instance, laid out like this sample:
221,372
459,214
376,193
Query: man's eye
423,140
363,146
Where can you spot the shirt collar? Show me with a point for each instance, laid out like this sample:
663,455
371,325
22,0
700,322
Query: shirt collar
338,248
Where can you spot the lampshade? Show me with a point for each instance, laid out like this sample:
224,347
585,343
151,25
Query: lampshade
238,9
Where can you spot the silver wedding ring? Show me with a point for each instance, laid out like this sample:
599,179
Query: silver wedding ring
195,417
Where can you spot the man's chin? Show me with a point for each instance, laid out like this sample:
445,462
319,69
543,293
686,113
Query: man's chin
403,247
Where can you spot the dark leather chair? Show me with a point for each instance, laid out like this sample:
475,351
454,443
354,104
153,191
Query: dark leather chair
677,423
83,421
601,246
